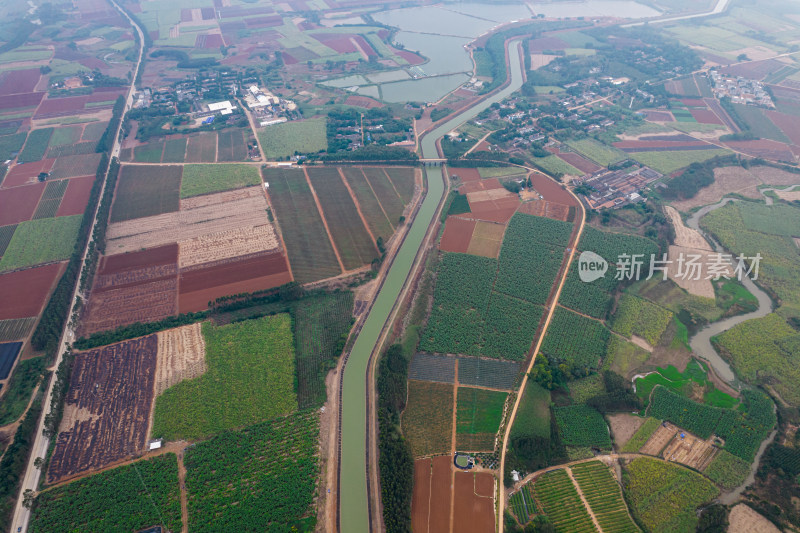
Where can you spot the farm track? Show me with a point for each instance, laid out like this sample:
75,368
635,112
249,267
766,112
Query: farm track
583,499
358,206
324,221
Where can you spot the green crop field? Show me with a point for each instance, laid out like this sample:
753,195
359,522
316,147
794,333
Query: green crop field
66,135
779,219
174,151
580,425
533,414
727,470
146,191
202,148
377,219
9,144
669,162
310,251
510,326
51,199
641,436
602,493
250,378
598,152
478,416
635,316
555,166
691,383
355,245
260,479
386,193
760,124
128,498
591,299
41,241
36,145
19,387
206,179
523,504
149,153
232,145
283,140
403,181
561,503
499,172
580,352
581,390
623,357
664,496
611,245
428,417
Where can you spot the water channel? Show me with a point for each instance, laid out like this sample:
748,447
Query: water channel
353,508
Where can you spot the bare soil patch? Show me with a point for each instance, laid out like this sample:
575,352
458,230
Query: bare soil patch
224,244
789,196
623,427
743,519
486,239
659,440
457,234
690,450
181,355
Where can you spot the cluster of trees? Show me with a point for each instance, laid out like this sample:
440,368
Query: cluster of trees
183,59
396,463
695,177
376,153
619,395
441,112
98,242
107,139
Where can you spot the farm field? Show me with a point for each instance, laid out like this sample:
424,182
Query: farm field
280,141
473,496
582,352
561,503
635,316
580,425
262,477
664,496
430,503
533,416
181,355
523,504
598,152
36,145
24,293
16,328
18,389
603,494
377,219
387,192
428,418
201,148
18,204
146,191
128,498
41,241
309,249
249,379
205,179
231,145
669,161
109,401
355,245
478,416
8,355
642,435
727,470
692,382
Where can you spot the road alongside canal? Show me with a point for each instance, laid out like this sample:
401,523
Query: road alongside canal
354,510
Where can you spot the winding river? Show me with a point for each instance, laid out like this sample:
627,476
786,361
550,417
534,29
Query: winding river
353,498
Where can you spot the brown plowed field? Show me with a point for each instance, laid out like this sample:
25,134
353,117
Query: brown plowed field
788,125
26,173
134,276
227,244
495,210
440,494
19,204
420,499
111,389
72,166
181,355
76,197
457,234
480,185
490,194
19,81
579,162
473,513
154,256
551,191
24,293
465,174
543,208
486,239
143,302
186,224
659,440
198,287
218,198
705,116
690,451
765,148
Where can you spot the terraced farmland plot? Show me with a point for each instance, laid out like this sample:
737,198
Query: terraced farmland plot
232,145
377,219
146,191
386,193
604,496
560,501
310,251
202,148
355,245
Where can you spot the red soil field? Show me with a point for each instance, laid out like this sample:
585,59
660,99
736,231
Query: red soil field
658,116
18,204
26,173
213,280
420,499
19,81
213,40
365,46
457,233
473,513
480,185
579,162
664,145
289,59
543,208
550,190
107,408
547,43
411,57
160,255
104,96
495,210
339,42
788,124
24,293
15,101
693,102
466,174
61,106
362,101
440,494
705,116
76,196
764,148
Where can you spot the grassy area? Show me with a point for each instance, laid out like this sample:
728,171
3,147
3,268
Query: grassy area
623,357
19,388
664,496
498,172
668,162
250,378
478,416
283,140
205,179
555,166
641,436
428,418
533,416
598,152
41,241
129,498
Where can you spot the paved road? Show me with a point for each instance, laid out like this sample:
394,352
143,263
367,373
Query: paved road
721,6
354,509
30,480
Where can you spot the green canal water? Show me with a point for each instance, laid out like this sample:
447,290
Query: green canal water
353,514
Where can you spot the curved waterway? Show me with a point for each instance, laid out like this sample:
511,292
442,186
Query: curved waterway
353,508
701,341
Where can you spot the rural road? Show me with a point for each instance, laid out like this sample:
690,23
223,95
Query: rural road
720,6
30,480
356,510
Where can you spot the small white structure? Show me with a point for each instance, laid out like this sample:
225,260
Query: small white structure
224,108
272,121
515,476
155,444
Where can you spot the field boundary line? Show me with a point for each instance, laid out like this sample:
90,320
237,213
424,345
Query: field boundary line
583,499
358,209
392,184
394,228
324,220
453,437
278,231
